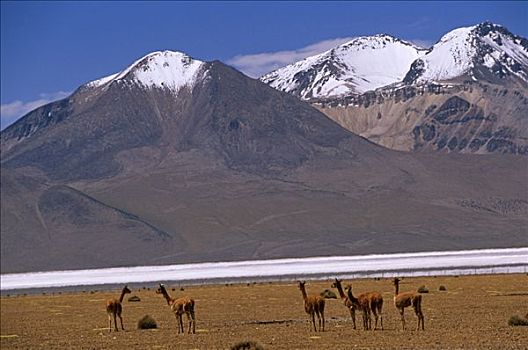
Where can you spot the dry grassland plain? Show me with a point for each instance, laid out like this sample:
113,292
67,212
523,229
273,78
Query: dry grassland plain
472,313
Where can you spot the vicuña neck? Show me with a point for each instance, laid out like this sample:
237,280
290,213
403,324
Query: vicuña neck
351,296
122,295
166,295
303,291
340,290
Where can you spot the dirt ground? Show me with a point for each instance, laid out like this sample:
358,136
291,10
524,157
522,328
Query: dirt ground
472,314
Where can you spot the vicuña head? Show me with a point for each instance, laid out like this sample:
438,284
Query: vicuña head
160,289
336,283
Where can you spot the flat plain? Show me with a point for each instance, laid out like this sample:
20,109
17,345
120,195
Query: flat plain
472,313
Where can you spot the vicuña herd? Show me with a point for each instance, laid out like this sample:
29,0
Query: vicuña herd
368,303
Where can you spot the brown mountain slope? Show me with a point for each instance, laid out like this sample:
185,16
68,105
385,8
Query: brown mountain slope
47,226
466,118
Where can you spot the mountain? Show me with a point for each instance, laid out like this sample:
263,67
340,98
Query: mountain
172,102
466,94
487,52
360,65
178,160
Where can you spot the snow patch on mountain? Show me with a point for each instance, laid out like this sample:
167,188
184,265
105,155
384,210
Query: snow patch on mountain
360,65
450,57
161,69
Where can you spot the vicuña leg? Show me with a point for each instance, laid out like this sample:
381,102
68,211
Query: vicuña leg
121,320
179,323
322,316
402,318
353,315
420,317
366,320
109,322
193,321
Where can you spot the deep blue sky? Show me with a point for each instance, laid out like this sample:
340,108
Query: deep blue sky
49,47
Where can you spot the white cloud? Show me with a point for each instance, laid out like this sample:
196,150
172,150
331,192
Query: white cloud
11,112
256,65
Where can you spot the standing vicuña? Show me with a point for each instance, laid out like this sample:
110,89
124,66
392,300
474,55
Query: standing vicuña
374,301
114,309
313,305
403,300
180,306
361,304
346,301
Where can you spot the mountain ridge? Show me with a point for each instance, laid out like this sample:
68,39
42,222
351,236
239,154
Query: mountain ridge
470,51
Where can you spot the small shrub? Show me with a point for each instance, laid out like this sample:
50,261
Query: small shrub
517,320
147,322
328,294
422,289
442,288
134,298
173,289
182,289
247,345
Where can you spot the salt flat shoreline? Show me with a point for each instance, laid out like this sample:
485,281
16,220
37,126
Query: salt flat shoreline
483,261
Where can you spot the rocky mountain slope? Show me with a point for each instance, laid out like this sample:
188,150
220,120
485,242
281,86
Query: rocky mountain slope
466,94
177,160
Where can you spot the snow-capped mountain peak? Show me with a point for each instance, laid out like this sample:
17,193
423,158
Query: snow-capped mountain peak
450,57
359,65
162,69
473,51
